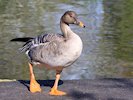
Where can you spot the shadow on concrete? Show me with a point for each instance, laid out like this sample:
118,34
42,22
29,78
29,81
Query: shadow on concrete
79,95
47,83
107,84
117,83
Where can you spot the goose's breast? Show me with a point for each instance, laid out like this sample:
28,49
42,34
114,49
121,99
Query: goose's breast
75,47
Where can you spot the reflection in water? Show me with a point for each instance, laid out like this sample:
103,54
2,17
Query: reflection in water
107,39
116,43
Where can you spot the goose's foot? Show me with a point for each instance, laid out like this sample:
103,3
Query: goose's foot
56,92
34,86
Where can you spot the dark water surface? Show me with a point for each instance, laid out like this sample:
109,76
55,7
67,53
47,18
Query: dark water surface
107,38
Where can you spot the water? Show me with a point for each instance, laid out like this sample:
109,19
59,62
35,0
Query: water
107,38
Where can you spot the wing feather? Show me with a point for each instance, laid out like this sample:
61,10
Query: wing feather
40,40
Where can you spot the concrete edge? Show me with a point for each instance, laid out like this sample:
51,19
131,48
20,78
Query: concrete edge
7,80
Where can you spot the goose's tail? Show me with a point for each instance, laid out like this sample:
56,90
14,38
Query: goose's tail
27,44
24,39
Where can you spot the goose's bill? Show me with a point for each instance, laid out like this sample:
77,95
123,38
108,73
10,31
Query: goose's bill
81,24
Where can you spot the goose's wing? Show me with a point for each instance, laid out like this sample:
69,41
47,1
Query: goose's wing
41,40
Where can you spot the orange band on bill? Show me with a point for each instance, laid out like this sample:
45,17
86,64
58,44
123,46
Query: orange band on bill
81,24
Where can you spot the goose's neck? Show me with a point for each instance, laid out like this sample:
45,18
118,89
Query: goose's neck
66,30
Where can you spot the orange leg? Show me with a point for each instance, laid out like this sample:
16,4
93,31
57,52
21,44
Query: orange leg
34,86
54,90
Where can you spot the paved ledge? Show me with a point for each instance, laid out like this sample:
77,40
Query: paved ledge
97,89
7,80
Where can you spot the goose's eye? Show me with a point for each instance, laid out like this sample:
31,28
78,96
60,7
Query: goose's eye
71,16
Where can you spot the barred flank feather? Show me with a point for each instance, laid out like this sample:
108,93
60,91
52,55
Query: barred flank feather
39,40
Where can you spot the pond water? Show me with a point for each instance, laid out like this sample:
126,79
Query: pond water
107,38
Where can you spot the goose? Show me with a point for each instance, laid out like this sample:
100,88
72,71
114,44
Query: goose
54,51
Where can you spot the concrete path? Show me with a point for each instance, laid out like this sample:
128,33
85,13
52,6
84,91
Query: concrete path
97,89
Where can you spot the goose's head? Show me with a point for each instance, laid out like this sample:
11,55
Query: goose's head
70,17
